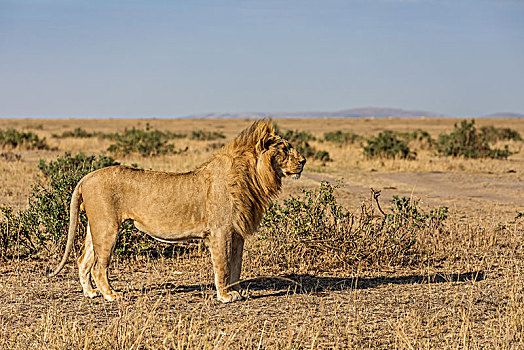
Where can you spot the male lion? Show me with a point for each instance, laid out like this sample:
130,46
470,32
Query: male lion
220,202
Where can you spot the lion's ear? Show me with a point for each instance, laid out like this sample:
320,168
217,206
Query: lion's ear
264,144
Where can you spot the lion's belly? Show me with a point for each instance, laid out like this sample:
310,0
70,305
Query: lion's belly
172,233
168,214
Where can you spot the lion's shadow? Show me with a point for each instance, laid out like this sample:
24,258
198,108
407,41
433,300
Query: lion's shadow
307,283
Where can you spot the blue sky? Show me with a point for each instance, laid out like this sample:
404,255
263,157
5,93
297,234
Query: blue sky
174,58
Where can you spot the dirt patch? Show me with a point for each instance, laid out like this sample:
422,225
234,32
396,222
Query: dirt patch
460,188
493,194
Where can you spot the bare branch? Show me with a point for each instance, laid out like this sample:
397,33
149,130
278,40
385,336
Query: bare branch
375,194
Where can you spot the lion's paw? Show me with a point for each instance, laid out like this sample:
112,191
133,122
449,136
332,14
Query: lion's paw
91,293
113,296
230,297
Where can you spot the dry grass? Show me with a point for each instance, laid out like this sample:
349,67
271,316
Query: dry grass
467,293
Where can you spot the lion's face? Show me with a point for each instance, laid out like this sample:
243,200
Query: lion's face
286,159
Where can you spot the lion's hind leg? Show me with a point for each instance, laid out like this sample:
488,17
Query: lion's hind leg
85,264
104,235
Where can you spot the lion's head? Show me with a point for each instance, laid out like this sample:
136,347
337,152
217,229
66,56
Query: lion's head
272,149
285,159
274,153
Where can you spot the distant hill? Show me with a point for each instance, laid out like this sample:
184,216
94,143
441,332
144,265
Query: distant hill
368,112
372,112
503,115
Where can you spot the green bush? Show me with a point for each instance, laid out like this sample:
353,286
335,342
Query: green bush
387,145
144,142
305,149
405,211
300,141
420,137
322,156
308,151
313,232
202,135
76,133
12,138
295,136
465,141
341,137
16,234
492,134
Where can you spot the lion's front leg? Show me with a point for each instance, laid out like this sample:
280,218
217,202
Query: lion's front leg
221,248
236,259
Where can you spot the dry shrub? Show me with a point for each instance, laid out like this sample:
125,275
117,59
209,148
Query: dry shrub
10,156
313,232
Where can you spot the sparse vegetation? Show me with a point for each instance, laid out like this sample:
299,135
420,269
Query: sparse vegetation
202,135
313,232
12,138
492,134
10,156
300,140
147,143
296,136
77,133
340,137
465,141
322,156
419,138
387,145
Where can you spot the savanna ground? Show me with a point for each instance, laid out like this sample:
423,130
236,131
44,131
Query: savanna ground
467,294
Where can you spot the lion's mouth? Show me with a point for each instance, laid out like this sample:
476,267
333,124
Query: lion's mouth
293,175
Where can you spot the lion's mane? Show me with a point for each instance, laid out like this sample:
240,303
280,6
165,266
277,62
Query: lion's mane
253,182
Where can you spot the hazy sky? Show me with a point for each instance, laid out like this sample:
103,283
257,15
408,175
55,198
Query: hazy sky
174,58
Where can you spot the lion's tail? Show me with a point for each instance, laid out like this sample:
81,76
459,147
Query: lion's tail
74,210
